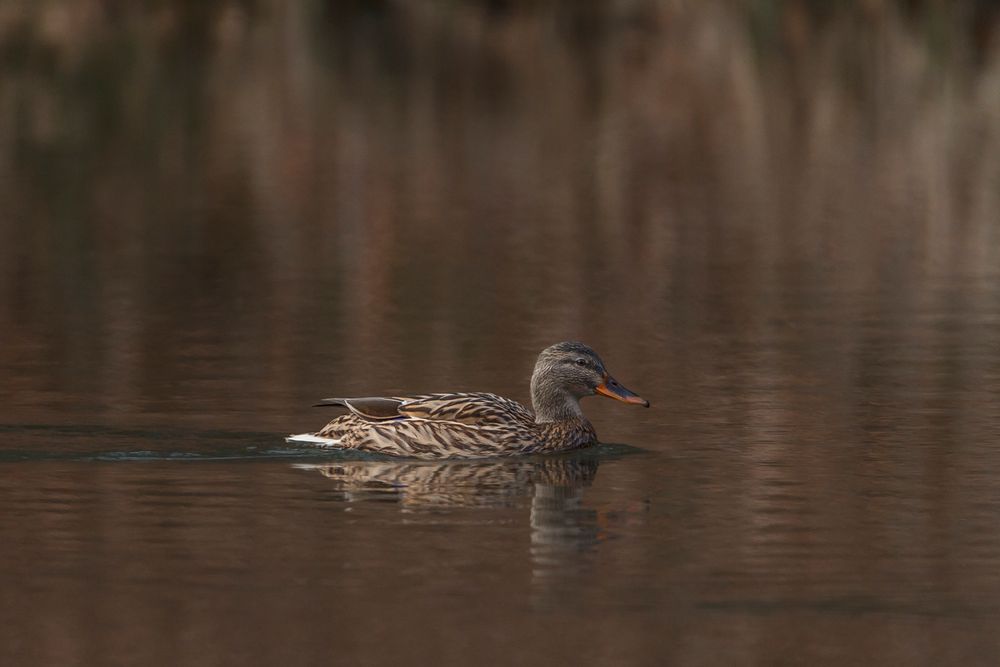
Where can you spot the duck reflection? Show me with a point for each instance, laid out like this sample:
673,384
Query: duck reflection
563,531
566,531
418,485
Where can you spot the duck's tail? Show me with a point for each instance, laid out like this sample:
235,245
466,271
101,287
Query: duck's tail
312,439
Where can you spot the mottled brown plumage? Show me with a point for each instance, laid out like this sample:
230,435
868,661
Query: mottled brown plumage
475,425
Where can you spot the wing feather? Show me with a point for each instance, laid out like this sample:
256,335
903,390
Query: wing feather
434,426
369,407
475,409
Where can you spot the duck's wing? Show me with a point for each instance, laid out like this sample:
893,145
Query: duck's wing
372,408
476,409
430,426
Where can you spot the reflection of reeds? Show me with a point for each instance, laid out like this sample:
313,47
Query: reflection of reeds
248,181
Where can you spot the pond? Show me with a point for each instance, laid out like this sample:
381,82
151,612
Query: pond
778,223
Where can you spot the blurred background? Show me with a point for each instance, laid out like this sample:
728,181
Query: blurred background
294,196
777,220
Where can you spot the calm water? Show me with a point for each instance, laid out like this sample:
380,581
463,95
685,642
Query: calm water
778,223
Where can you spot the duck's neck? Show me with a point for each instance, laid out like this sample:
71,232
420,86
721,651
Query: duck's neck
553,404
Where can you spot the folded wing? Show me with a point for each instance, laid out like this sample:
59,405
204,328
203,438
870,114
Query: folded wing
373,408
475,409
432,426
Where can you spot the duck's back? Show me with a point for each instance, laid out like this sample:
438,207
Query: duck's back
472,408
433,426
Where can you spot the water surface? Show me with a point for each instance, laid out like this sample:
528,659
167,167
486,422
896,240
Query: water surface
777,222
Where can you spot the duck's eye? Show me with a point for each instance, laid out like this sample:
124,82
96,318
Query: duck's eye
581,362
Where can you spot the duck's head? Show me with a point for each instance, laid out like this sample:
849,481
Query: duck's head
565,373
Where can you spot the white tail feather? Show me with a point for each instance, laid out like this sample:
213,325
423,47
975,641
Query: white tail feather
311,439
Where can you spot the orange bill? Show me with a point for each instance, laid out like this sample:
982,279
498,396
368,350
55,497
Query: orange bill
612,389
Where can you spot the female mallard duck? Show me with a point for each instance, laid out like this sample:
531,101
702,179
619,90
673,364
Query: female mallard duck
472,425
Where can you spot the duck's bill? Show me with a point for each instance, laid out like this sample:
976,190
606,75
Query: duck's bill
612,389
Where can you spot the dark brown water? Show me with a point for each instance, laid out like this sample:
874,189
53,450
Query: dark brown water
777,221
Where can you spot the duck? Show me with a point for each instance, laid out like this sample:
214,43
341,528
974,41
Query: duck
466,425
